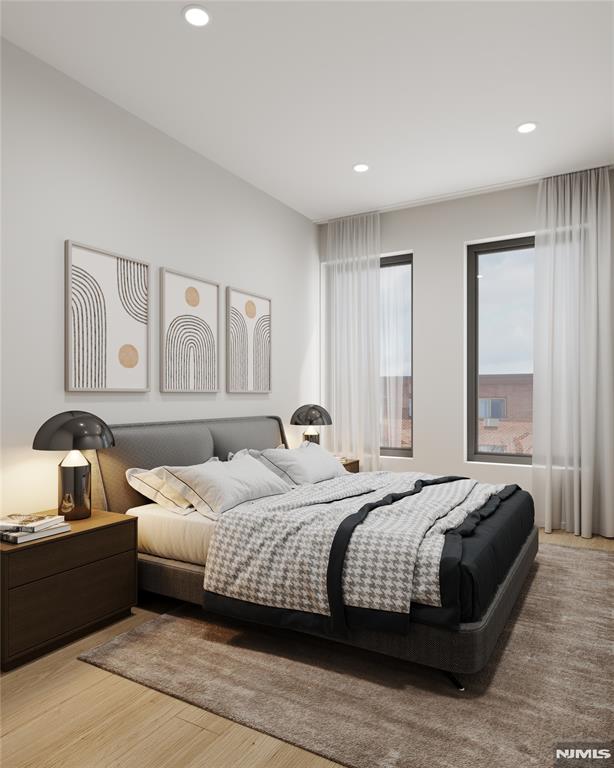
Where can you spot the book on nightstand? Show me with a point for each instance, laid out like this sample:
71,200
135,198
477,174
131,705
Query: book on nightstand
16,529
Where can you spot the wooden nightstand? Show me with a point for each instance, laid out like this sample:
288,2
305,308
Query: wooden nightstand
56,589
352,465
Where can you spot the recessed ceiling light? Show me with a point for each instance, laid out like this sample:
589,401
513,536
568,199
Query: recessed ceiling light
361,167
196,15
526,127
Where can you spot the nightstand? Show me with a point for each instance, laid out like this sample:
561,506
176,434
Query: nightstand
56,589
352,465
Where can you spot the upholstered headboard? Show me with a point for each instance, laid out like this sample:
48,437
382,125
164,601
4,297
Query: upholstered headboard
175,443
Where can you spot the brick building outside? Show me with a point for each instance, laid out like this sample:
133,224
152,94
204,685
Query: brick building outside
505,412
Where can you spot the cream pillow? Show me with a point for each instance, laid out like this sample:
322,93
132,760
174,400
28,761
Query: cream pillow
152,483
309,463
215,487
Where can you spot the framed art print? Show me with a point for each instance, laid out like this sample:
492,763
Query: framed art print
189,333
107,321
248,342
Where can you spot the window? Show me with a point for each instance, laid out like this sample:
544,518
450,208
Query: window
500,350
492,408
396,355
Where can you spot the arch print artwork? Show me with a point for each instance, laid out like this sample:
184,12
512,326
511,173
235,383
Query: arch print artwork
107,321
248,342
189,333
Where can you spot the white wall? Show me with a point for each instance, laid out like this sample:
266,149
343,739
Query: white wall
76,166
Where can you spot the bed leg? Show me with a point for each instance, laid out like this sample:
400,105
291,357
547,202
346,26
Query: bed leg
454,680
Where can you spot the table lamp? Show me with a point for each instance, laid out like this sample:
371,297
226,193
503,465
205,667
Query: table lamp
311,416
74,431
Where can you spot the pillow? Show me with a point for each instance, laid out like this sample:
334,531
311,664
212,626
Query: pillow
255,454
310,463
252,452
216,487
152,483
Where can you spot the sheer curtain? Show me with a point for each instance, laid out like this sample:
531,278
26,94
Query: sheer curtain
573,402
351,265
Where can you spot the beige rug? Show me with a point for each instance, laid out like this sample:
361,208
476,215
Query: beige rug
547,683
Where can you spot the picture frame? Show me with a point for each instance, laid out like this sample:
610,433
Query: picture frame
189,333
248,342
107,321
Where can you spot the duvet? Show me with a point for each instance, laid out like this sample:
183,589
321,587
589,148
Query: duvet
370,543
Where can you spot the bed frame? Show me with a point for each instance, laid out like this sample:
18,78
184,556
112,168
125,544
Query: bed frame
464,650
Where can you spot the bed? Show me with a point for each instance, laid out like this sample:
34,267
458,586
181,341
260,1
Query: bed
484,562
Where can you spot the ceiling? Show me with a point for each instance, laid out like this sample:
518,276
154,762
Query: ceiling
290,95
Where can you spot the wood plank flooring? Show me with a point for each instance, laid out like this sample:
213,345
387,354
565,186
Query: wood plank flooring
565,539
58,712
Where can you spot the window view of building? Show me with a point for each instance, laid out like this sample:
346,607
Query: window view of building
396,355
501,349
492,408
506,412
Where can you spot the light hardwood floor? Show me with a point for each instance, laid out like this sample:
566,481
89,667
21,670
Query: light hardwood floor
565,539
58,712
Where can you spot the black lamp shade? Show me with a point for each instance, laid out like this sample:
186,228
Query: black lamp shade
311,415
73,431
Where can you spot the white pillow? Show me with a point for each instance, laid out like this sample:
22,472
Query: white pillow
252,452
255,454
310,463
216,487
153,484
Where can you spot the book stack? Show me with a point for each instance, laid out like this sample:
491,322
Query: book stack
16,529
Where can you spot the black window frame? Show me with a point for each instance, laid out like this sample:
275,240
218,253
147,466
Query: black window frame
474,251
393,261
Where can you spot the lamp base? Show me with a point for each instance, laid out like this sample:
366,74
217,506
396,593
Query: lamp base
311,438
74,492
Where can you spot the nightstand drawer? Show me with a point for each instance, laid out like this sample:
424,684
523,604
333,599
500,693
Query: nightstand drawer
66,552
59,604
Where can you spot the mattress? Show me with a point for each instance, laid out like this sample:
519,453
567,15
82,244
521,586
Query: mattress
169,535
475,560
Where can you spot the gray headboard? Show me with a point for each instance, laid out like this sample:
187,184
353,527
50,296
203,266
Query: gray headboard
176,443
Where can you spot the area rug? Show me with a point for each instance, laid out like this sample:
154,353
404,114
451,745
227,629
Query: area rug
546,684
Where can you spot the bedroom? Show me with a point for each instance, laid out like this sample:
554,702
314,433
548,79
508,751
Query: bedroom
447,310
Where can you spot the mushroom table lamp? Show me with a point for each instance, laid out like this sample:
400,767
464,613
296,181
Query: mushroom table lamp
74,431
311,416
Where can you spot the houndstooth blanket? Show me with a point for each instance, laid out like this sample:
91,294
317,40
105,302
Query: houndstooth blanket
276,553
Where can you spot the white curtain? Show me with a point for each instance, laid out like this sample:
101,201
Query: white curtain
573,402
350,281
